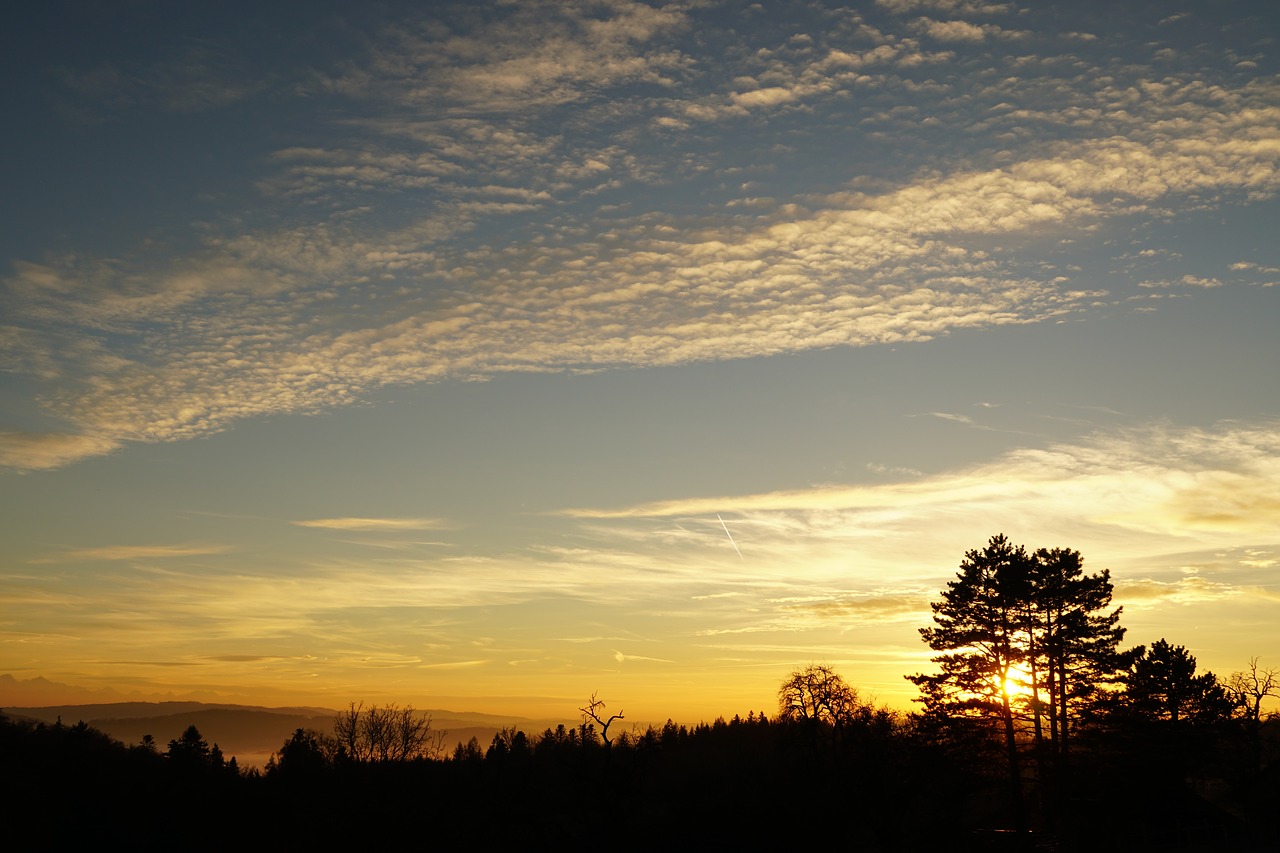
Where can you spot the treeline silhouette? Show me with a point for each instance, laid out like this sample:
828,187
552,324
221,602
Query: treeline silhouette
877,780
1161,757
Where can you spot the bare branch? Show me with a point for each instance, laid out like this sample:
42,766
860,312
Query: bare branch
593,710
1249,688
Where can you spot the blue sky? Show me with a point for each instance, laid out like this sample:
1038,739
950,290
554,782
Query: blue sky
426,352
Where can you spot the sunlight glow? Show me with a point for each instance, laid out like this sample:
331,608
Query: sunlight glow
1017,683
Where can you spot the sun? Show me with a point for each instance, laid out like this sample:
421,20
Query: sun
1017,682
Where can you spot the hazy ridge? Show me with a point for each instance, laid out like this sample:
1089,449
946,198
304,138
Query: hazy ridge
248,732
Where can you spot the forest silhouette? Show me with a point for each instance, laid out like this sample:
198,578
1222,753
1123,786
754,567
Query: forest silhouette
1036,731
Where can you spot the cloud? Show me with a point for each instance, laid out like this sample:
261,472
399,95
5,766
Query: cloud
376,524
961,31
244,658
193,77
1186,281
29,451
535,54
1168,511
1181,516
511,262
457,664
1157,484
144,552
881,468
771,96
1248,265
1146,592
955,7
623,658
864,608
948,416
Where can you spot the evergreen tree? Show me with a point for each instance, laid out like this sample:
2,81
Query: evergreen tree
190,750
1162,685
979,627
1072,639
301,756
1015,621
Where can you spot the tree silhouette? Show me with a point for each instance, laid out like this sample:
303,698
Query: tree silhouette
190,750
817,693
302,755
1250,688
1071,638
469,752
820,700
592,711
1162,685
386,733
979,625
509,745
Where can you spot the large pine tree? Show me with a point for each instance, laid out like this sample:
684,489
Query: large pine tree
978,626
1034,620
1072,639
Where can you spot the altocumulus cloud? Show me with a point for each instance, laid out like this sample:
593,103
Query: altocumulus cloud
523,262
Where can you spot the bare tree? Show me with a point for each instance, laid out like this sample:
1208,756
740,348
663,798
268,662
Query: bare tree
378,728
817,694
347,731
386,733
593,710
1250,687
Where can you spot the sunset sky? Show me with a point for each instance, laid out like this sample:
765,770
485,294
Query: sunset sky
484,356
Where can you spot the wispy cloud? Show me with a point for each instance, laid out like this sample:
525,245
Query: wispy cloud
1169,510
874,606
951,416
376,524
194,76
1145,591
31,451
881,468
1157,490
457,664
142,552
624,658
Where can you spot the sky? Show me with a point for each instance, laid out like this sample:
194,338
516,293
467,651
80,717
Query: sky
487,356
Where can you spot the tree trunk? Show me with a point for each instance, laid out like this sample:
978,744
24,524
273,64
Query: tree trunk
1015,770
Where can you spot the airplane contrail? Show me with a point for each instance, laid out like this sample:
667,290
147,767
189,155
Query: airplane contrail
730,535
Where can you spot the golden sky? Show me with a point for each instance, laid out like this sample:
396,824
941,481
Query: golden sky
488,356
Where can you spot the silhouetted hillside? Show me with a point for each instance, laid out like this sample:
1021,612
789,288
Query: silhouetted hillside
248,732
139,710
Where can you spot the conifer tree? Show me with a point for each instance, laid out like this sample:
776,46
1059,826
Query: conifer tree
1018,621
1072,639
1162,685
978,626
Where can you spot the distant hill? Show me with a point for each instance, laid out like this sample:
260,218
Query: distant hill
138,710
250,733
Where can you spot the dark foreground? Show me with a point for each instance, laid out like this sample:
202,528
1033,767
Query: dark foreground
885,784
